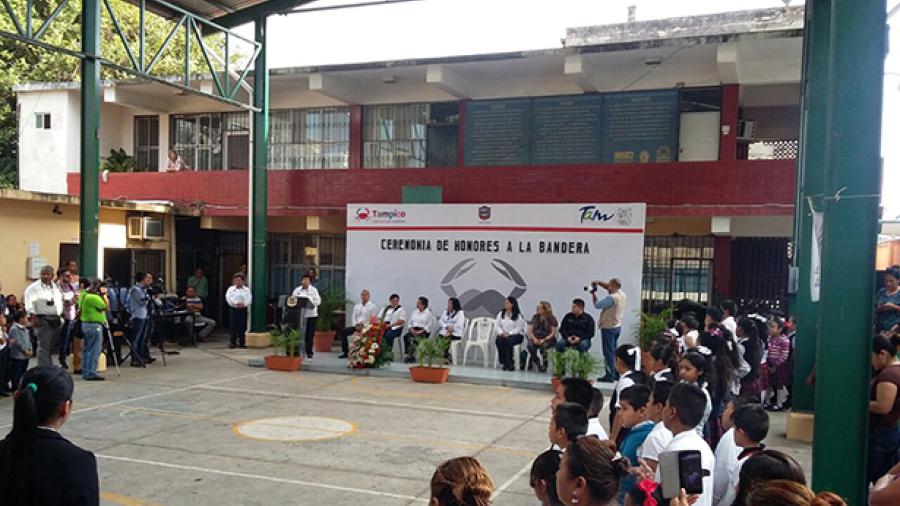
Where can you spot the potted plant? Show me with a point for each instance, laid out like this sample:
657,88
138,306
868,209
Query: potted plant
558,365
428,353
582,364
118,161
649,327
332,300
285,338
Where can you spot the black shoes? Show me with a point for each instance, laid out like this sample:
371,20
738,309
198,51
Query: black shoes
231,346
309,355
95,378
62,363
342,355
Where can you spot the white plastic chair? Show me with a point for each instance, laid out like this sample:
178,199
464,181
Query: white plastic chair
480,335
398,343
456,346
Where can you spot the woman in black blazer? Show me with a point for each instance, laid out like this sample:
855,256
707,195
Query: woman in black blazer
37,464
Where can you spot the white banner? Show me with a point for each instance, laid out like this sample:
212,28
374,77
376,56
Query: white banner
485,253
815,258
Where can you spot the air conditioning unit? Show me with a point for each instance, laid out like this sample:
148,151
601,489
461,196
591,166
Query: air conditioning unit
746,130
145,228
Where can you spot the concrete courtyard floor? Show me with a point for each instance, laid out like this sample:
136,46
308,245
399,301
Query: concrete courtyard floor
183,434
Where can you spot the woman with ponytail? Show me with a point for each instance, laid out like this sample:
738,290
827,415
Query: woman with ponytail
462,481
589,473
37,464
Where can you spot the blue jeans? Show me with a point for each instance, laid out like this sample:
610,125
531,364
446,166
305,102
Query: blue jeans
139,328
610,341
93,336
582,346
884,442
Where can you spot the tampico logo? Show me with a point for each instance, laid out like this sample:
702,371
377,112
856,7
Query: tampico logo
591,213
484,213
380,215
363,213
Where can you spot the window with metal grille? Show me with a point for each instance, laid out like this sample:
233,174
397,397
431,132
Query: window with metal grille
395,135
146,143
677,268
309,138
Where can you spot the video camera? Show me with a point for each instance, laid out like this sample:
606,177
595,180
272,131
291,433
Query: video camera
157,287
592,288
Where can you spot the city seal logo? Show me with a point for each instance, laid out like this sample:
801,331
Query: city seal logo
484,213
623,216
362,214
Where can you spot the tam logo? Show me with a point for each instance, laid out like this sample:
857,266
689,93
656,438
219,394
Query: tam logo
591,213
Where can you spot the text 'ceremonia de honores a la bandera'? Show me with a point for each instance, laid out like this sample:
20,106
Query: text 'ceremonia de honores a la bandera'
488,246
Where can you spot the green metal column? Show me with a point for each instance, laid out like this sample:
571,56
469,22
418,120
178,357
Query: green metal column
850,206
259,197
810,181
90,136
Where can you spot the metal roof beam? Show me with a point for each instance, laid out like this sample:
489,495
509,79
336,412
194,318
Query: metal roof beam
257,11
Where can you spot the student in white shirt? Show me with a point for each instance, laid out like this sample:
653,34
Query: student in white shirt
453,321
660,436
363,312
751,426
312,314
239,297
729,310
683,412
695,368
726,451
419,324
691,332
580,391
394,316
628,369
510,330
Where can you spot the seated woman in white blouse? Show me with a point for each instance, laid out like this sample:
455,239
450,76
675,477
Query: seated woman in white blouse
453,322
510,332
419,321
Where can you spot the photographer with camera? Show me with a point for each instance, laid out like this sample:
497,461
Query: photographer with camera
92,313
44,304
612,312
138,308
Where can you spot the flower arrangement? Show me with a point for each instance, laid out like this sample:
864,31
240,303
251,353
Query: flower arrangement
367,350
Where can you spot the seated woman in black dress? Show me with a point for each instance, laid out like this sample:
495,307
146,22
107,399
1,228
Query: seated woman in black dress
37,464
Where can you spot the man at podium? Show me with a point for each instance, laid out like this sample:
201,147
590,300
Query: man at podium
308,301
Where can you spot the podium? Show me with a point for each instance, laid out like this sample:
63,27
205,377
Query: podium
295,308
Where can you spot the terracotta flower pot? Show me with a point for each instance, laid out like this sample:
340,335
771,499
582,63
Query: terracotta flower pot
429,374
282,363
555,382
322,340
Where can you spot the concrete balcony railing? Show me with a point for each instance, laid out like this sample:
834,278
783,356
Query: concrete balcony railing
738,188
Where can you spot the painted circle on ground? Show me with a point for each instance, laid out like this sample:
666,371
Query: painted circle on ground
294,428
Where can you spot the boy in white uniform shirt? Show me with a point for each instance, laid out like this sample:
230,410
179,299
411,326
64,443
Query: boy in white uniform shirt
363,311
751,426
683,412
579,391
727,451
660,436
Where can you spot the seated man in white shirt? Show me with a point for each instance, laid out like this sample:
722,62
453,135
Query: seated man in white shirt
453,321
363,311
419,326
394,316
196,318
580,392
683,412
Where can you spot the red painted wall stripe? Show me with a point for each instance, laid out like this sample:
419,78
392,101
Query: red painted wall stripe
498,229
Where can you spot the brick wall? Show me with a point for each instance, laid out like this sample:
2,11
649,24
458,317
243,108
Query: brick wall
731,188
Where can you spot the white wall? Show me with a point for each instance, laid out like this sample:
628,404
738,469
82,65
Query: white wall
698,136
44,155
